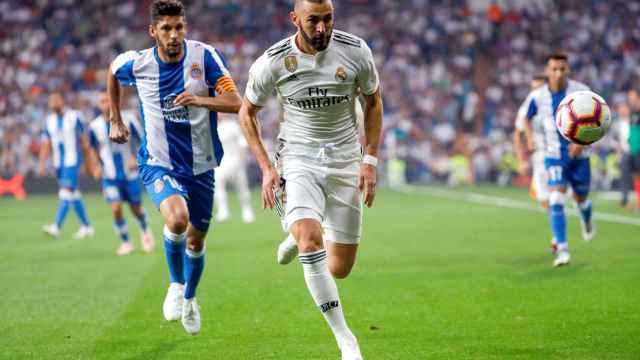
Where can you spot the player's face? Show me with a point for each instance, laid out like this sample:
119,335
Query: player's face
557,72
56,102
315,23
169,34
103,103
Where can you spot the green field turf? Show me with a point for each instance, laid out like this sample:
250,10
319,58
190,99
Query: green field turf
437,278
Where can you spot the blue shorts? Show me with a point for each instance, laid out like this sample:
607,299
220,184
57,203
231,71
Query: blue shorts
122,190
162,183
574,172
68,177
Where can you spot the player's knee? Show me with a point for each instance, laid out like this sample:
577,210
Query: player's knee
556,198
116,211
340,271
308,235
177,221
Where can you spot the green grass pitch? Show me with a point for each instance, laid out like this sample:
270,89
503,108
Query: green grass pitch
437,277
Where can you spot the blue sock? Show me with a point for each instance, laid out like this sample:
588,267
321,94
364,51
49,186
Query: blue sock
585,210
142,220
194,264
558,223
121,228
80,211
174,247
63,209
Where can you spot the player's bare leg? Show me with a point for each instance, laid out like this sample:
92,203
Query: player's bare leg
176,218
146,237
342,257
321,284
120,226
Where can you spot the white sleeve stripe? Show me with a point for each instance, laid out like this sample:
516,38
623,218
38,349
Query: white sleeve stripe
218,60
122,59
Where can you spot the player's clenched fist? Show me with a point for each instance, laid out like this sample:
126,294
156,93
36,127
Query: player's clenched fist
119,132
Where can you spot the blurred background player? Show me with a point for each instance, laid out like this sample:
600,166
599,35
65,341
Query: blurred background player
181,84
567,164
65,141
233,169
116,166
535,162
319,71
634,142
622,127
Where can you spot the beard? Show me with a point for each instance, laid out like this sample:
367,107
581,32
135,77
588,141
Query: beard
318,42
171,51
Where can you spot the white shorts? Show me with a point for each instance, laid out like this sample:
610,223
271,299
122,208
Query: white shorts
539,180
322,184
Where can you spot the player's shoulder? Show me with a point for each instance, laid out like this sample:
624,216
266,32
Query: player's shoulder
347,40
199,47
577,85
278,50
73,114
537,94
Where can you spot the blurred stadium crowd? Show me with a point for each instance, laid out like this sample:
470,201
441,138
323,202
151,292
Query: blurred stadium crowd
453,72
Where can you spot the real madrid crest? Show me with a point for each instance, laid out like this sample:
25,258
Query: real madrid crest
291,63
196,72
341,74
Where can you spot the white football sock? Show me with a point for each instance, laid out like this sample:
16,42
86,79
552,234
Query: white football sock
324,292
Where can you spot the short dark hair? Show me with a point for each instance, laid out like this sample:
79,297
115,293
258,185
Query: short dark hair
299,2
557,56
161,8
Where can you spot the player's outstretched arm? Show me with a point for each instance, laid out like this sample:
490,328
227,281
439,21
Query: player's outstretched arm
226,102
119,132
251,130
372,130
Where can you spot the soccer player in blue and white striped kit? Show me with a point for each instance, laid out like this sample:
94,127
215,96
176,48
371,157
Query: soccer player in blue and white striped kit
64,139
182,84
115,165
566,164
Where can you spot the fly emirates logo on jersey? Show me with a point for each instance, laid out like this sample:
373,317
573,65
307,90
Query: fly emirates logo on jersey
316,97
173,113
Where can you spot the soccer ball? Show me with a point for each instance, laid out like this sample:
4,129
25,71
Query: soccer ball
583,117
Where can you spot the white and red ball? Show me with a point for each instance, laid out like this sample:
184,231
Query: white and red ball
583,117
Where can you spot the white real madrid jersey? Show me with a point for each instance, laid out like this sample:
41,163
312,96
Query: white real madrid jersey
317,92
64,131
543,103
114,156
181,138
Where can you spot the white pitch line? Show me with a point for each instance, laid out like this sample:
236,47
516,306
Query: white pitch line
509,203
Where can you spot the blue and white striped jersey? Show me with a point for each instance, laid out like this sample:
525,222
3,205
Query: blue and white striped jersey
114,156
64,131
182,139
543,103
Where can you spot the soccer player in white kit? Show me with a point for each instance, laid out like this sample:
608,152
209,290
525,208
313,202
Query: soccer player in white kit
317,74
233,169
182,84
